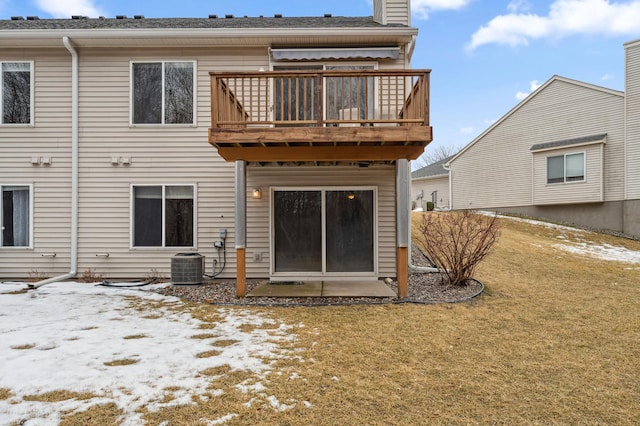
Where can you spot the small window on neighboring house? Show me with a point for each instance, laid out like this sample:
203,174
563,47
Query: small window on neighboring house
163,216
163,92
565,168
15,212
17,93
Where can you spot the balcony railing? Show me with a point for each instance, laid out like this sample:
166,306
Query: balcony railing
320,98
310,115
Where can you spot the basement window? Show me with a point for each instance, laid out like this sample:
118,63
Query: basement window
163,215
15,213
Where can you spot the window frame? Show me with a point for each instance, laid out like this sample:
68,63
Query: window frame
132,211
564,166
194,122
30,245
31,93
324,273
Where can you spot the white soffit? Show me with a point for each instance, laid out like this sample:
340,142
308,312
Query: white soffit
335,53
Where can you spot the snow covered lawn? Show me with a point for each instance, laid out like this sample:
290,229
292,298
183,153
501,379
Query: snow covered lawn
137,349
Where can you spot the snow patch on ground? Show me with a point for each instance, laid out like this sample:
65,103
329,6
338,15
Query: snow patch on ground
66,335
581,247
12,287
602,251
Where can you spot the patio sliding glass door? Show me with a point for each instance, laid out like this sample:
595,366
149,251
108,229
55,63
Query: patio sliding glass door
321,232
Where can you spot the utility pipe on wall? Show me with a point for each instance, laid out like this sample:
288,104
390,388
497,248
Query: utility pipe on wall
74,170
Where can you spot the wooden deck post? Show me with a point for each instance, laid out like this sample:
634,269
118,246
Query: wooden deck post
402,226
241,228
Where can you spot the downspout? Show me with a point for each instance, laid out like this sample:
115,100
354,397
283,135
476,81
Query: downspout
74,170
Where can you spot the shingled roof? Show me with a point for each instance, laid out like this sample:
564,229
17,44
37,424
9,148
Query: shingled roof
435,169
139,22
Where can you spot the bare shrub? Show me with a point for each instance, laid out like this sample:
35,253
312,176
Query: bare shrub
457,242
90,276
35,276
155,276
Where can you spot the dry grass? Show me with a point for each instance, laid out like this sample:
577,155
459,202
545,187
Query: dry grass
97,415
23,347
58,395
554,340
135,336
120,362
5,394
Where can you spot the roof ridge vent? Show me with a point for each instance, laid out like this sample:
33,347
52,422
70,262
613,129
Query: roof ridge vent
213,16
138,16
121,16
278,15
78,17
228,16
17,18
327,15
32,18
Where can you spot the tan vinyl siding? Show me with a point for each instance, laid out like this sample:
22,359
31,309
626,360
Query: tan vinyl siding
427,186
258,210
633,120
50,136
392,11
588,191
160,154
496,170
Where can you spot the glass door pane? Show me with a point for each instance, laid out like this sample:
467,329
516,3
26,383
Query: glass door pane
297,231
349,231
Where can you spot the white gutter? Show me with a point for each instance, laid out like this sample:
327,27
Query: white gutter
74,171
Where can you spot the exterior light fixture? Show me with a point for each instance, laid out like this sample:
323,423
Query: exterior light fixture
256,194
351,196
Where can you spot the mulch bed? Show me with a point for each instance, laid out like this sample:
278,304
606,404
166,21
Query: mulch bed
425,288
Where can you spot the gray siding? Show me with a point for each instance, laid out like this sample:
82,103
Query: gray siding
633,119
427,186
496,169
588,191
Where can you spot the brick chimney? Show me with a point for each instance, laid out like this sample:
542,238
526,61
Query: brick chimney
392,11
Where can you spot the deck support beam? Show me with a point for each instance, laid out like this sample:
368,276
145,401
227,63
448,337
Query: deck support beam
241,228
402,227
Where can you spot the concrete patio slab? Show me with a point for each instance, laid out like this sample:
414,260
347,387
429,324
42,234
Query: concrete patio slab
356,289
305,289
372,288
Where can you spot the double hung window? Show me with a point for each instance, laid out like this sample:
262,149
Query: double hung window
163,215
17,92
15,215
163,92
566,168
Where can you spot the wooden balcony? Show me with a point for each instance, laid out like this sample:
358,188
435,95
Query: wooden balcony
320,115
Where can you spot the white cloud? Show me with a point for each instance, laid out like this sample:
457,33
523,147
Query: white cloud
519,6
466,130
566,17
533,85
607,77
67,8
422,8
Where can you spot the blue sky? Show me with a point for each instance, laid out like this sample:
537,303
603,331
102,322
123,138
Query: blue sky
485,55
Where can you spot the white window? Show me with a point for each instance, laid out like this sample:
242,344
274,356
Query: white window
163,92
566,168
163,215
17,92
15,214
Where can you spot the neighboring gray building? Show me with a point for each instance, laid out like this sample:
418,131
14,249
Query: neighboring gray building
569,152
431,183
